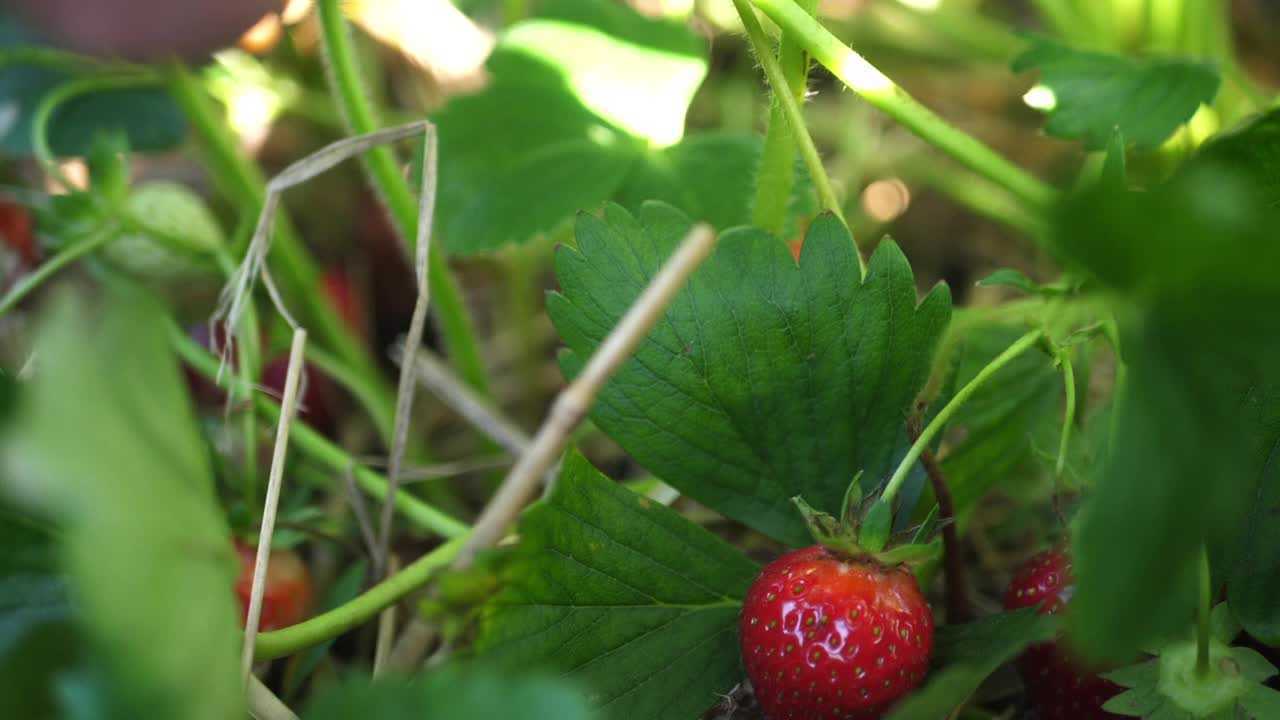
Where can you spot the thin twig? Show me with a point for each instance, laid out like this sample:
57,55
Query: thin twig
572,404
386,626
361,510
959,607
454,392
264,705
288,408
413,339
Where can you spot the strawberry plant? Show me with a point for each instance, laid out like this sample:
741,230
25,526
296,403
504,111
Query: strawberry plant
739,359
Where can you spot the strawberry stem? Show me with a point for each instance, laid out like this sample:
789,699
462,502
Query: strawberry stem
945,414
959,609
1203,611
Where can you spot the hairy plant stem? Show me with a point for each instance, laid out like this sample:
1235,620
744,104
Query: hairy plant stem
318,448
360,609
1204,609
788,76
959,607
392,188
944,415
876,88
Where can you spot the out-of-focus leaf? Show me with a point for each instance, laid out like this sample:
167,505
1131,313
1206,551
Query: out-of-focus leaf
344,588
1253,580
106,441
147,117
576,98
623,595
967,654
37,635
711,178
1189,266
1253,148
764,379
1095,92
452,692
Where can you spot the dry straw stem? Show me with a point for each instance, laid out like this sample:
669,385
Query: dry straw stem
239,290
449,388
572,404
413,339
288,408
264,705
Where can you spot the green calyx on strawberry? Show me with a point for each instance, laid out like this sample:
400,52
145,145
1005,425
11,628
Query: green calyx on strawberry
1173,685
839,629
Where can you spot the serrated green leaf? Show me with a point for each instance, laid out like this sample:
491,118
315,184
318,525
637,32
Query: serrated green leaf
107,441
764,380
967,654
623,595
453,692
1095,93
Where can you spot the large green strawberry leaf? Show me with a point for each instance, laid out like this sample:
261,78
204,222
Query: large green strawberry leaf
623,595
453,692
106,441
967,654
1095,93
765,379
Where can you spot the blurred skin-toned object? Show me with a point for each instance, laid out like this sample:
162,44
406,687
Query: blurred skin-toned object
142,29
434,34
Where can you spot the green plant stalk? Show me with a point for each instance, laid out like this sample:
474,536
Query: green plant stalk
976,195
318,448
876,88
944,415
238,178
1069,416
776,173
1204,609
384,174
793,118
358,610
66,256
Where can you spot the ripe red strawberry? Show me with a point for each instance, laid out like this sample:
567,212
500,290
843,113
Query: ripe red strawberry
287,597
341,293
1059,688
314,410
823,636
